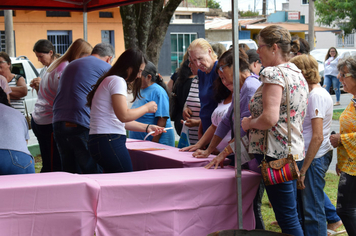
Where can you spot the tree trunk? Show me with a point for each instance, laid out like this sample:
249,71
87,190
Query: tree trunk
145,25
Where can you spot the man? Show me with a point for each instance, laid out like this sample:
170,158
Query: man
71,115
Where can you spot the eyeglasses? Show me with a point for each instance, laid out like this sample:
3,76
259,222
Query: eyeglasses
261,46
3,62
222,67
345,75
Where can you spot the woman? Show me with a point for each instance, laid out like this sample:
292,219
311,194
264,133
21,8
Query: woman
46,54
192,107
330,73
316,131
268,115
203,56
15,158
16,82
5,87
154,89
179,95
255,62
345,142
42,115
223,90
109,115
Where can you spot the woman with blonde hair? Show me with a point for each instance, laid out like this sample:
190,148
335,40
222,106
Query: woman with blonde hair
42,115
203,56
268,119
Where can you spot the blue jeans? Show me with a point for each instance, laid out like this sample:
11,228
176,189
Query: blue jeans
110,152
313,197
283,198
72,143
15,162
346,202
51,160
330,79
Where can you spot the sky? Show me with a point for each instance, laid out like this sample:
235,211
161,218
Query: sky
246,5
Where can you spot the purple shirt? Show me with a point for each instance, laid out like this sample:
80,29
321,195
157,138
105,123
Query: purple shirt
247,90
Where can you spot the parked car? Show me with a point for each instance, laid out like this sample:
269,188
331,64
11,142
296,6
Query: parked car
22,66
319,55
249,42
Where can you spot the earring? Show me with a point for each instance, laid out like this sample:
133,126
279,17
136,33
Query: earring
273,53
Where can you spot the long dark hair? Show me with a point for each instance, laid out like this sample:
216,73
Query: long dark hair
184,73
3,98
131,58
44,46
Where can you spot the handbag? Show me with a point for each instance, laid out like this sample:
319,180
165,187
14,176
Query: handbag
27,116
285,169
184,137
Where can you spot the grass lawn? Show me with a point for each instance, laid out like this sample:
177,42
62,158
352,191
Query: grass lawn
332,182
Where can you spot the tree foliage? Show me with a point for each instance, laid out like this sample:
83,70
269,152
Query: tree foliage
248,13
145,25
337,13
214,4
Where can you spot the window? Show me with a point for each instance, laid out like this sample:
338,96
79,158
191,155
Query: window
349,40
2,41
60,39
105,14
179,44
183,17
107,36
305,2
57,13
2,13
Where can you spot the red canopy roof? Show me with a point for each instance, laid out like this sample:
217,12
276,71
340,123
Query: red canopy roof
63,5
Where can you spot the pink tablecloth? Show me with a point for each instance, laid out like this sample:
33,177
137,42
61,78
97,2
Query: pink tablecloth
167,202
47,204
162,157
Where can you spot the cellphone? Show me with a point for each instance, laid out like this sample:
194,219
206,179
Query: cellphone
353,100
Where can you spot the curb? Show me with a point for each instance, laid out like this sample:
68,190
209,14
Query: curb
34,150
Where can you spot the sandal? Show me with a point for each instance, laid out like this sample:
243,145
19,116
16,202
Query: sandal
332,232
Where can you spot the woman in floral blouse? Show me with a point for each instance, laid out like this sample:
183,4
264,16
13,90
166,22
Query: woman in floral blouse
345,141
269,113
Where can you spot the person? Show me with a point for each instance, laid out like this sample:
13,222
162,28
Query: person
191,108
345,142
179,95
330,73
154,89
219,49
268,117
255,62
110,114
46,54
42,115
4,85
203,56
15,158
223,89
16,82
71,115
299,46
316,131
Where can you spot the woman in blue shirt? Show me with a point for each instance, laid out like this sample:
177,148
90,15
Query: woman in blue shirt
153,88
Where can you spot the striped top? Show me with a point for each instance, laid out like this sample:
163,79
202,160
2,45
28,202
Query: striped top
18,104
193,102
346,153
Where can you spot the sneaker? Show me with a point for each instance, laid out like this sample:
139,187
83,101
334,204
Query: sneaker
337,104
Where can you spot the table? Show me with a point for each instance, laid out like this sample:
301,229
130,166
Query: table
161,156
48,204
167,202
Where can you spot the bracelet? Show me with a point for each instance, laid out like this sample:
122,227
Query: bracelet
302,174
147,128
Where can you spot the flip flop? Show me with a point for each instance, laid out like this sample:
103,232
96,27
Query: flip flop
332,232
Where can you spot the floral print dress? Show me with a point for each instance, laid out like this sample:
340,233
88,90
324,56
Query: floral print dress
278,135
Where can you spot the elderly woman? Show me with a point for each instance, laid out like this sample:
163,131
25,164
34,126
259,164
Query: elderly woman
16,82
316,131
269,117
15,158
203,56
345,142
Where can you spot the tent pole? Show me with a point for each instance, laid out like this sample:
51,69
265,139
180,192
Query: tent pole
235,38
85,22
